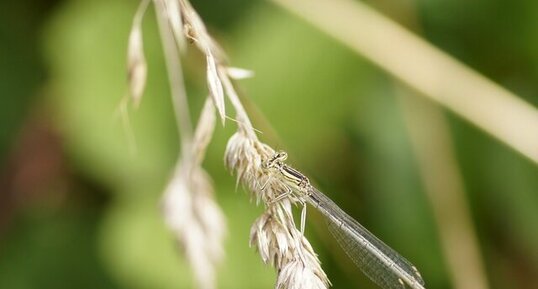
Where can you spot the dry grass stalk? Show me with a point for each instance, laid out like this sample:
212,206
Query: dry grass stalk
188,205
432,72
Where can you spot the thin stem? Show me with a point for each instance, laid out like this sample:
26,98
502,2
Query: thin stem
426,69
175,77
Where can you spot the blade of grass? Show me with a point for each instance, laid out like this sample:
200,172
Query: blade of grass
426,69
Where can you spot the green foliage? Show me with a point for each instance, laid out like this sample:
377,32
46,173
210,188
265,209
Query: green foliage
337,115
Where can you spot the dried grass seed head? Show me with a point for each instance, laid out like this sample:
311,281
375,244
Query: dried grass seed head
136,61
197,222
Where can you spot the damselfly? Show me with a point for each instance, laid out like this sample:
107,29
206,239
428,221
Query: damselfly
378,261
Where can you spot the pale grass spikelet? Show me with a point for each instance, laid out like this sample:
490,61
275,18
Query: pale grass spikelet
197,32
215,85
239,73
136,61
197,222
244,155
298,275
204,132
190,210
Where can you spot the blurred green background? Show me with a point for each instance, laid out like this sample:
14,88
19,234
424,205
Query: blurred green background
79,210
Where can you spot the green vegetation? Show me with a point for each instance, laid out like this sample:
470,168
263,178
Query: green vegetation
96,223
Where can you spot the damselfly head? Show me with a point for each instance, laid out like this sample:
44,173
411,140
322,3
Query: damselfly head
280,156
275,160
